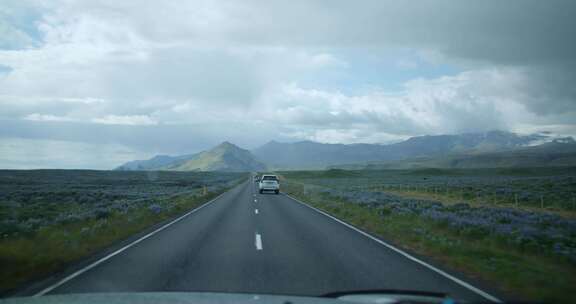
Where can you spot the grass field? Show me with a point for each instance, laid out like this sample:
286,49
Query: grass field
552,189
529,253
51,218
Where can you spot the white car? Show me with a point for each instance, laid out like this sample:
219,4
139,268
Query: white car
269,183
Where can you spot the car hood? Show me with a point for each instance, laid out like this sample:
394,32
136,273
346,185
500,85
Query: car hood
204,298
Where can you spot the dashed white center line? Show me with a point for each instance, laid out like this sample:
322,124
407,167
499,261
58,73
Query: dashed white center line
255,200
255,211
258,242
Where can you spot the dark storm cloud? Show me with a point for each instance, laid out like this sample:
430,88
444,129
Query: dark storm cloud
535,36
513,31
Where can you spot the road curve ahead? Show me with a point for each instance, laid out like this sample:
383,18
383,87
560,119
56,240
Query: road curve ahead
258,243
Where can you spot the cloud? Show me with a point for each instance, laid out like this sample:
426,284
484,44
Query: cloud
12,38
180,76
46,117
148,139
130,120
471,101
17,24
18,153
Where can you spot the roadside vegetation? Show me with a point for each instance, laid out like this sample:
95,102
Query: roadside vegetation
525,250
51,218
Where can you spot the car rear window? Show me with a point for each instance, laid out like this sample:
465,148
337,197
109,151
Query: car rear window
270,177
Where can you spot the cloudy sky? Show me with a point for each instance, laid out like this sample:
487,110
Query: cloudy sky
91,84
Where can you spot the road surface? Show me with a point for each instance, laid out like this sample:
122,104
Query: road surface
261,243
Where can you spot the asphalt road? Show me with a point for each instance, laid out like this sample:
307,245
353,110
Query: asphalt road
261,243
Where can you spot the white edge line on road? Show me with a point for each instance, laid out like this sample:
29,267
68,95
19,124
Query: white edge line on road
405,254
258,242
255,211
100,261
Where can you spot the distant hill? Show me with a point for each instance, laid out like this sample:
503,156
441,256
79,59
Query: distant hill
554,154
313,155
224,157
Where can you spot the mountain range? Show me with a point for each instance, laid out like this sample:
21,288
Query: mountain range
312,155
469,150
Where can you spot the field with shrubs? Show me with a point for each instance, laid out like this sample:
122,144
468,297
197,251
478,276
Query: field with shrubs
50,218
515,229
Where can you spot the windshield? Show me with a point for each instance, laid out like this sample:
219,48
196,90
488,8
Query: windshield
304,147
